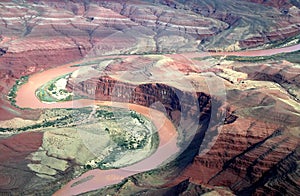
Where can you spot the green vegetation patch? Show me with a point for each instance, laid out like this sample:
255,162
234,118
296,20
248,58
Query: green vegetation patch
55,90
13,91
95,62
64,118
284,43
132,139
120,136
131,136
292,57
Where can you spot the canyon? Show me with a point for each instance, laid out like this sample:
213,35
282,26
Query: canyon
259,137
235,114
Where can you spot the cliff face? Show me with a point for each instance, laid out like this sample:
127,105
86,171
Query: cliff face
253,152
37,35
174,100
42,34
257,148
283,178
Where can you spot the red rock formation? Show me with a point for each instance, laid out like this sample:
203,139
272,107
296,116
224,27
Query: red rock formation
107,88
254,151
250,144
14,173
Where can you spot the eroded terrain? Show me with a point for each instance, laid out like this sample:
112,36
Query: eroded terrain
138,90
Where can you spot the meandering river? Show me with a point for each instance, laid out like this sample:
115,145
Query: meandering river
166,131
95,179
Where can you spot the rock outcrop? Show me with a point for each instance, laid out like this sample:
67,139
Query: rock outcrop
174,100
256,138
37,35
14,150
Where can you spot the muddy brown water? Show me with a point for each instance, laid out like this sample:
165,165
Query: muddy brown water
166,130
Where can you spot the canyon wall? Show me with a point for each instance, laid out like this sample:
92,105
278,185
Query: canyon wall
257,148
177,104
249,149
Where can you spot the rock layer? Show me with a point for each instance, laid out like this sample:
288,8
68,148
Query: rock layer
14,150
257,147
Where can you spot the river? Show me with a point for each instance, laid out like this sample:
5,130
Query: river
95,179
